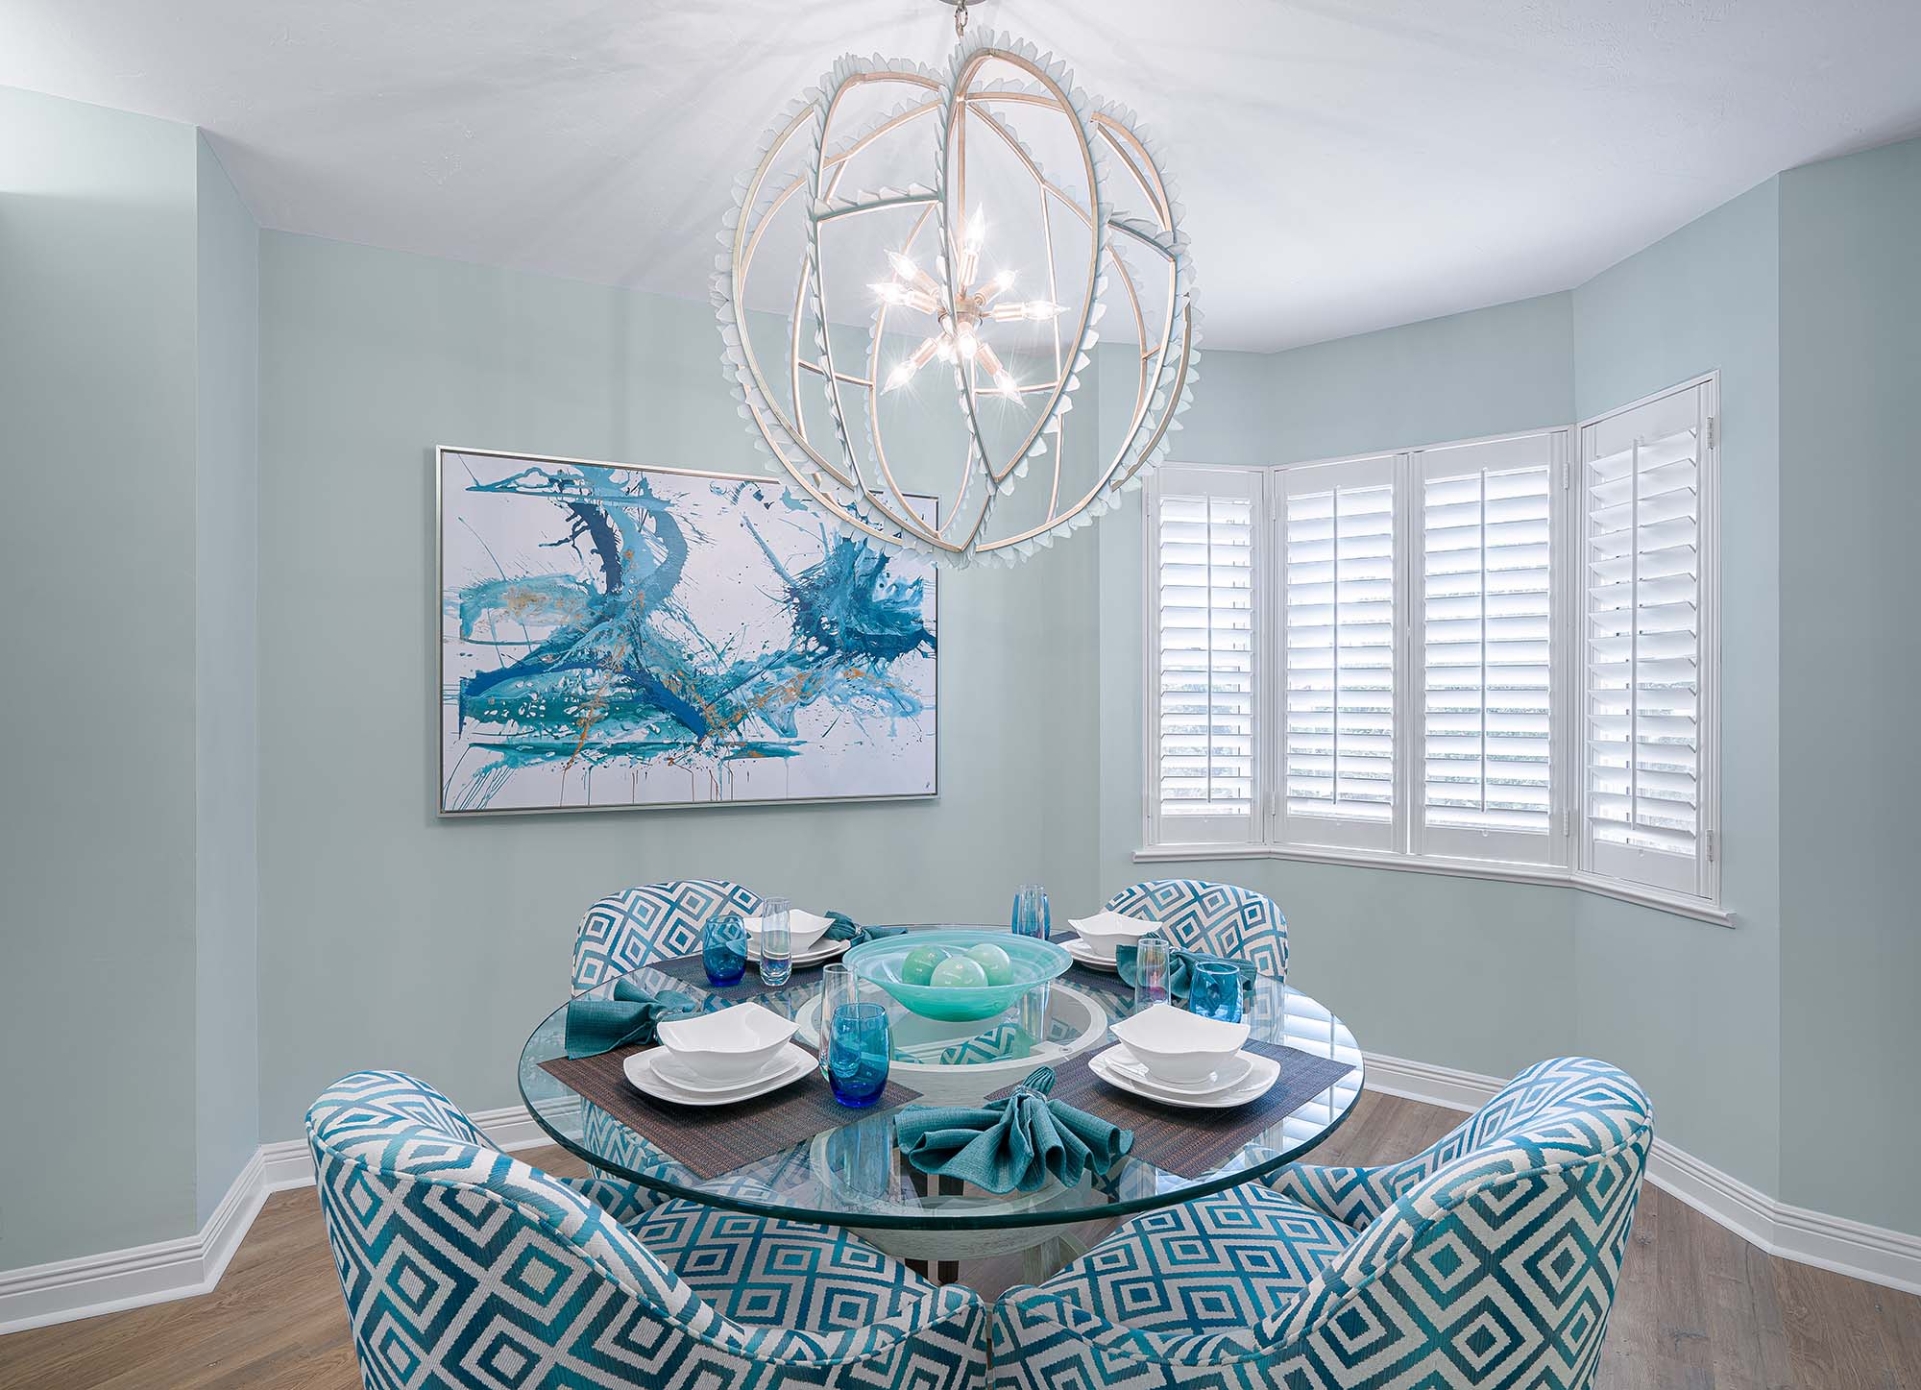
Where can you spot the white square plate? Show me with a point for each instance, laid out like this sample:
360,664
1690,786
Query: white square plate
1261,1075
642,1073
804,927
1105,931
1176,1046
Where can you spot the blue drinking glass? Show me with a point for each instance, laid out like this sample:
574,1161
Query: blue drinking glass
859,1049
1214,990
723,950
1031,914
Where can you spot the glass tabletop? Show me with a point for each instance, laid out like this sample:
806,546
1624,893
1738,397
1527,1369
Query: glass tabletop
853,1174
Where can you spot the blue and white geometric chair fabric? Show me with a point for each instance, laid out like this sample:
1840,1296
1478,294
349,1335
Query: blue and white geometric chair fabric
656,921
622,932
1489,1259
462,1266
1217,918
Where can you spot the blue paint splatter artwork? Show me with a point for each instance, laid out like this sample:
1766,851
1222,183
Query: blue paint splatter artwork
617,636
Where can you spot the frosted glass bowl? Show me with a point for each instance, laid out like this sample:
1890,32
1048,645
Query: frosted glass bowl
1035,963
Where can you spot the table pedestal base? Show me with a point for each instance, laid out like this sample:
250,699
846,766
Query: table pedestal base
937,1255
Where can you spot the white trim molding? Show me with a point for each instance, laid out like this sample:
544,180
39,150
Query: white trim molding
64,1290
184,1268
1853,1248
1544,875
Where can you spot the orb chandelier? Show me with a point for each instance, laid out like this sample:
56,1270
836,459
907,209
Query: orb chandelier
915,278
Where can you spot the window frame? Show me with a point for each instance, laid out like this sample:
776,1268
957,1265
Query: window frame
1588,865
1247,484
1328,831
1552,849
1272,833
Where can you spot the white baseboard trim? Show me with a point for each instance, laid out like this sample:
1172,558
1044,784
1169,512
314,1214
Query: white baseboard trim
1853,1248
119,1279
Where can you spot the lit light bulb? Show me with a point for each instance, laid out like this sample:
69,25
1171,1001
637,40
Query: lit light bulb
966,344
904,370
989,361
1004,281
1041,309
893,292
903,267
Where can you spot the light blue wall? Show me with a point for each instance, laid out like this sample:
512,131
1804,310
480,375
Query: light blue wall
211,690
1491,976
1851,664
1443,970
97,443
389,938
1682,1005
1493,371
226,737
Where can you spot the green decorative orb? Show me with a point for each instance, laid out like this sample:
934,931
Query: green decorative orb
994,961
959,972
918,968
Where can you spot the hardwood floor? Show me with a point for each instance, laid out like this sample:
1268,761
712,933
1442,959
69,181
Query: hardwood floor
1699,1309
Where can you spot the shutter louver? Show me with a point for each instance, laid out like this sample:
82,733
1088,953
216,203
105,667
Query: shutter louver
1644,645
1338,604
1642,497
1486,650
1205,589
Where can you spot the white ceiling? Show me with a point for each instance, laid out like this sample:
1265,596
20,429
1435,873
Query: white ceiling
1347,164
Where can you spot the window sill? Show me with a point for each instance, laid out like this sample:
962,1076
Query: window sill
1543,874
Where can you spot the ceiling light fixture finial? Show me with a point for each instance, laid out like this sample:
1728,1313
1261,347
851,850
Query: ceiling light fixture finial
888,166
960,9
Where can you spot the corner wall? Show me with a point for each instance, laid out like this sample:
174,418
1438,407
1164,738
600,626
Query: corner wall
97,438
1851,664
1682,1004
226,733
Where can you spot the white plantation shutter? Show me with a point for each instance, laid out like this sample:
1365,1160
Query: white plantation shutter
1644,485
1484,642
1203,530
1337,581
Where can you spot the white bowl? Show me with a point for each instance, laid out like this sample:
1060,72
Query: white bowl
1177,1046
804,927
1105,932
728,1044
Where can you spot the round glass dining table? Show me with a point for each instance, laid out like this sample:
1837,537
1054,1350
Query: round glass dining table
853,1175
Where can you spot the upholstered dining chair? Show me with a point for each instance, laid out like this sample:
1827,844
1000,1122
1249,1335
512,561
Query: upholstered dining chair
655,921
624,931
1218,918
463,1266
1489,1259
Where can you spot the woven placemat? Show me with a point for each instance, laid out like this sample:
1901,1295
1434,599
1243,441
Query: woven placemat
690,970
1188,1141
1087,977
712,1140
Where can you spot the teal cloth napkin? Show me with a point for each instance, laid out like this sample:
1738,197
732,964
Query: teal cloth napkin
600,1025
1013,1144
1180,966
845,928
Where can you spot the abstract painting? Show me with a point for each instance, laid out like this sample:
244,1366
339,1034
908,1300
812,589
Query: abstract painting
614,636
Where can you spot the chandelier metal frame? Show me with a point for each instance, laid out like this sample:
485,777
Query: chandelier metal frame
1143,255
